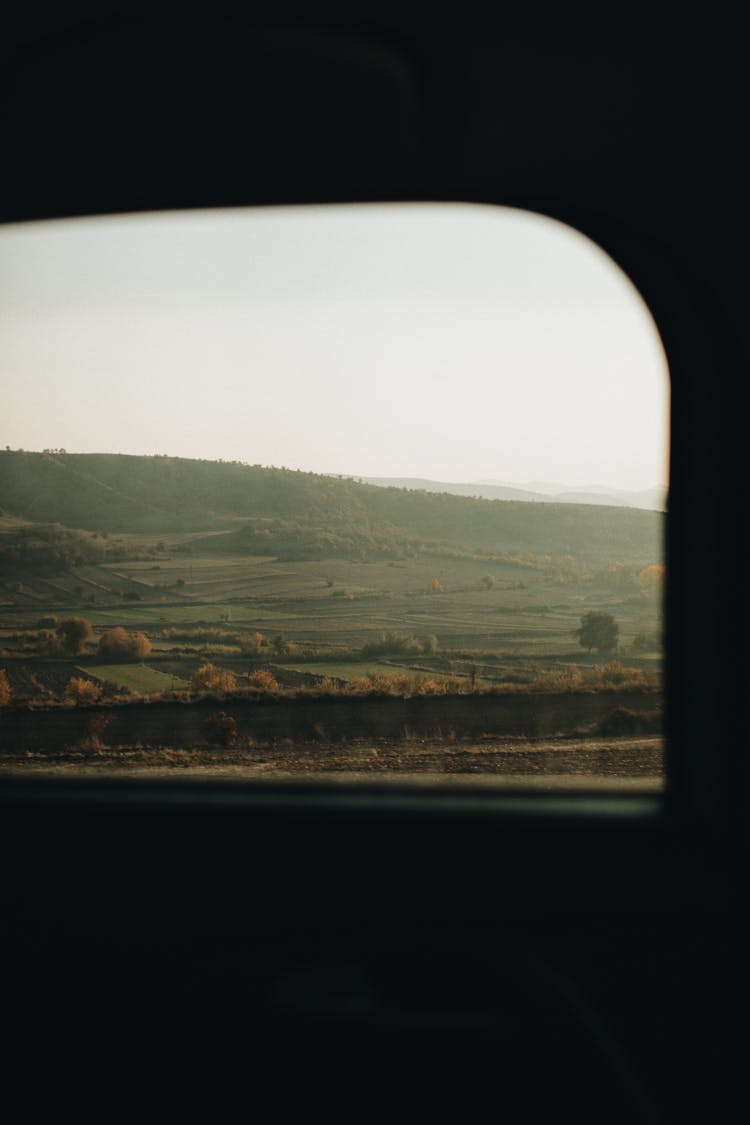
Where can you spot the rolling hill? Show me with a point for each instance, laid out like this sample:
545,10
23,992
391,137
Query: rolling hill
265,510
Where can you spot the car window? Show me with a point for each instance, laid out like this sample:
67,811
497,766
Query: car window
372,493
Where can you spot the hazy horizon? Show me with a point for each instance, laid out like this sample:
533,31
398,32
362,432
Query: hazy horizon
450,343
530,484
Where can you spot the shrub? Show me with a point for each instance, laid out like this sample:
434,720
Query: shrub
83,691
646,642
605,678
397,684
615,674
561,679
252,644
96,724
220,728
625,721
282,647
263,680
213,679
392,644
118,644
201,633
42,641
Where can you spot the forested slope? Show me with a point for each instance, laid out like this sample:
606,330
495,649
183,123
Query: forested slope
269,510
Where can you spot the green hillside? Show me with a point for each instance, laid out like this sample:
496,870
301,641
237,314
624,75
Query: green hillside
303,515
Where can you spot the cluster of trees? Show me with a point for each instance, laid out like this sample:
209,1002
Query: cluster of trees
74,635
119,644
218,681
323,535
51,548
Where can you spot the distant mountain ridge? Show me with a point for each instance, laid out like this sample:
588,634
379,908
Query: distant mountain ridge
539,492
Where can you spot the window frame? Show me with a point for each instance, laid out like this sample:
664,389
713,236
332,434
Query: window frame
703,808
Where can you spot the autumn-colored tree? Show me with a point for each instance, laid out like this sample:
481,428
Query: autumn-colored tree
252,644
118,644
651,580
74,633
263,680
4,689
213,679
83,691
96,724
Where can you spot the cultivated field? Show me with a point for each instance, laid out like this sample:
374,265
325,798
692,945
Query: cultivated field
158,607
498,616
415,626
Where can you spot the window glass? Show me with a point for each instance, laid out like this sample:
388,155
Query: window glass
372,492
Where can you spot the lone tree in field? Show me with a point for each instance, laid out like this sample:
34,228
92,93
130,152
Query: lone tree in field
598,630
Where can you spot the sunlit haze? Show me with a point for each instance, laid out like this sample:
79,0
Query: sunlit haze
459,343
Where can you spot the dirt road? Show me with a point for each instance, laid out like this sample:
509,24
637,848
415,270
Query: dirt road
548,763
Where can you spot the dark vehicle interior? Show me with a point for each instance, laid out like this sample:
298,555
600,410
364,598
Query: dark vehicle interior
348,953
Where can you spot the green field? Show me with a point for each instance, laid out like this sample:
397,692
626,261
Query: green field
334,607
500,620
135,677
205,613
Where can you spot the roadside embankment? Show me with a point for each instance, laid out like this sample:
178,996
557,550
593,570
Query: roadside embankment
269,719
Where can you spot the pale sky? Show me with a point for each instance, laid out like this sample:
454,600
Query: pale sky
456,343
